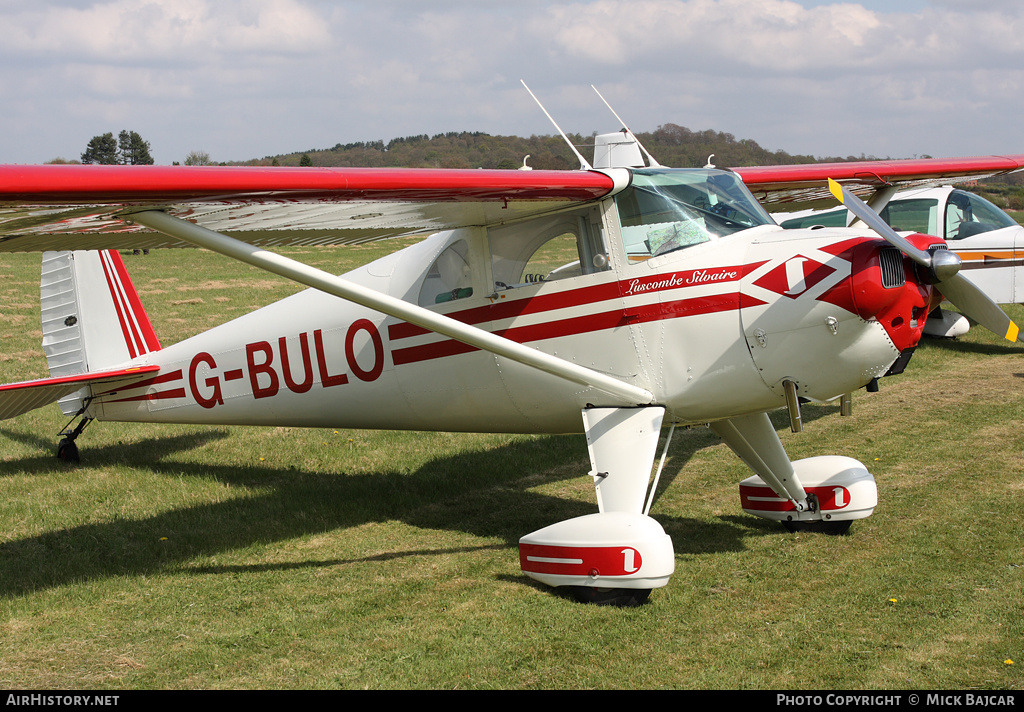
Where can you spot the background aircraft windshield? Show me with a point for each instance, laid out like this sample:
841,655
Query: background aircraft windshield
968,214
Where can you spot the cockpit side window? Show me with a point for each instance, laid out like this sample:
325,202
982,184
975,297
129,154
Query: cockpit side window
913,215
834,218
557,258
551,248
909,214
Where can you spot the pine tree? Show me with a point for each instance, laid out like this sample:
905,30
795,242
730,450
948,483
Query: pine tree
133,150
128,149
102,150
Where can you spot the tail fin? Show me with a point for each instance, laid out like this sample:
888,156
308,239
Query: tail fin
92,317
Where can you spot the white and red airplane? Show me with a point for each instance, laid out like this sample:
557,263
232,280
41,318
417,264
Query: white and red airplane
682,302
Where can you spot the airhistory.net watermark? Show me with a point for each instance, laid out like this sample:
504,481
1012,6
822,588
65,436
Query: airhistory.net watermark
49,700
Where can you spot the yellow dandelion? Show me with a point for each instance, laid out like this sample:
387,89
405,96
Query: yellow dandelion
892,600
1008,662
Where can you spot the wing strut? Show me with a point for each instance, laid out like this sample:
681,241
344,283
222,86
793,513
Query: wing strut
392,306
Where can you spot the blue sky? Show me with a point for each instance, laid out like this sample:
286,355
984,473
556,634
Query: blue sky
246,78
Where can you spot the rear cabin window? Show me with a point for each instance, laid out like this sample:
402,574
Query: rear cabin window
449,277
914,215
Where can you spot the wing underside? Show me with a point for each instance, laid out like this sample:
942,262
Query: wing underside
799,187
90,207
56,207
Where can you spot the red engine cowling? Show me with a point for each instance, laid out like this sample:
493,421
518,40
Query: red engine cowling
887,287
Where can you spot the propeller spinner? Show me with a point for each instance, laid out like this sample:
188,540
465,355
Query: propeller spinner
943,266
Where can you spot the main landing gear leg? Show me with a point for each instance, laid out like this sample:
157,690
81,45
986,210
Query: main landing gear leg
754,440
614,557
820,494
67,451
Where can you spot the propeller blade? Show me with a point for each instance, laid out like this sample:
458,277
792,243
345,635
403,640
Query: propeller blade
975,303
944,266
872,219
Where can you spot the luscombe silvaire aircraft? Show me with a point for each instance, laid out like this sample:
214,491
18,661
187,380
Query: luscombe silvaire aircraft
687,304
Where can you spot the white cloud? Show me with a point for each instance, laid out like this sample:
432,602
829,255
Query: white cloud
775,36
243,79
182,31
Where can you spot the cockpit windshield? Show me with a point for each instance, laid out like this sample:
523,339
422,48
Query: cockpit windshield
669,209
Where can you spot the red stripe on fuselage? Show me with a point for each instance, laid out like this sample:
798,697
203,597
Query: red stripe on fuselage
517,307
162,378
586,324
592,295
158,395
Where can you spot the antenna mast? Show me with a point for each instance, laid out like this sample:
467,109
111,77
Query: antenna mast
584,165
650,158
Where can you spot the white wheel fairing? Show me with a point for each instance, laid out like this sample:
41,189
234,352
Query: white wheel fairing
605,550
842,486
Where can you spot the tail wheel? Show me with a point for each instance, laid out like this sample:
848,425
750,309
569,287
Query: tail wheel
67,451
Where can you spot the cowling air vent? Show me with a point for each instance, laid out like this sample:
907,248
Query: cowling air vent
891,261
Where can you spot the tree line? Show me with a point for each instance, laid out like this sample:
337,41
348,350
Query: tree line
671,144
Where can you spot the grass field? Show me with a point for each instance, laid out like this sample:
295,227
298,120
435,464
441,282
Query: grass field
223,557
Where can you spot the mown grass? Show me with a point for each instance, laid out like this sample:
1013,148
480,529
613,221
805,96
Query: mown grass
224,557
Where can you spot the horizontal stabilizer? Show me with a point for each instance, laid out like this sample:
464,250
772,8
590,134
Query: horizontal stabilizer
18,398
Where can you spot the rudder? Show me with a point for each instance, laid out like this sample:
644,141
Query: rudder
92,316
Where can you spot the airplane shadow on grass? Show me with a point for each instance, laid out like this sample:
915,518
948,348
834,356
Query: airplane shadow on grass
484,493
969,347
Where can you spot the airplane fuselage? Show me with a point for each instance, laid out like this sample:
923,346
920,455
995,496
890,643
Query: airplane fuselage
711,324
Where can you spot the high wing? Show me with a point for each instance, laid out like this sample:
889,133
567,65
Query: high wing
796,187
60,207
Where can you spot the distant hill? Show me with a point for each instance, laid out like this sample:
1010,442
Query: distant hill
671,144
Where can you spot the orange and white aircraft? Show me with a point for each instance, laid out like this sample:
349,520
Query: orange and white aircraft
683,302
